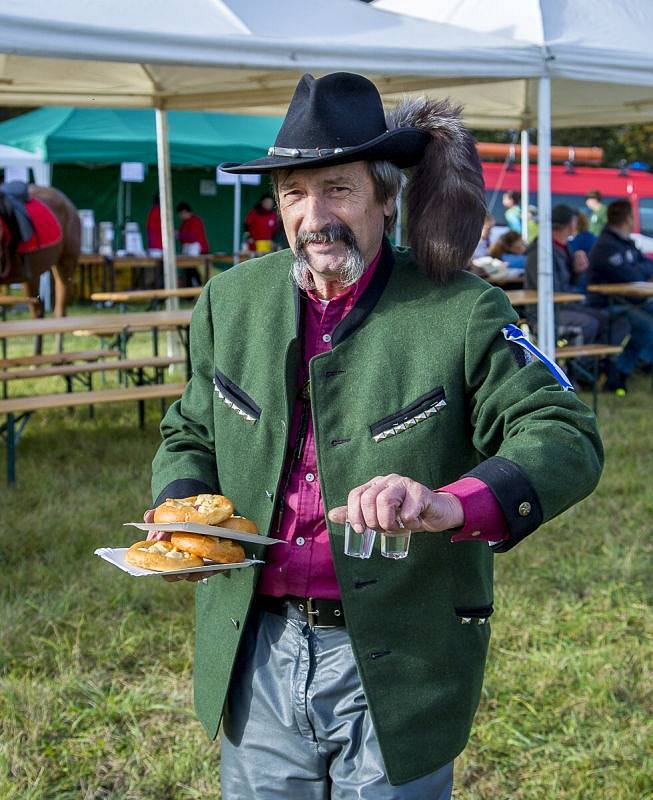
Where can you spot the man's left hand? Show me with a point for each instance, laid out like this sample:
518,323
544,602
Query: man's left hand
388,500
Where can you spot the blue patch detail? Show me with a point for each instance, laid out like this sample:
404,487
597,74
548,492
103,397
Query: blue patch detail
513,334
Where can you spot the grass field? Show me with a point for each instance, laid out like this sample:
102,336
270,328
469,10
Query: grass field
95,666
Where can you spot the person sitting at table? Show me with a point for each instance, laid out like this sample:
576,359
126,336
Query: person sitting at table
192,237
511,249
578,322
615,258
584,239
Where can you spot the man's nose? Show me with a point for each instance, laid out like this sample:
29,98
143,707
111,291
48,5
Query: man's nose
316,214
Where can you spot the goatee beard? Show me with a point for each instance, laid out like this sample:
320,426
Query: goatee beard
352,268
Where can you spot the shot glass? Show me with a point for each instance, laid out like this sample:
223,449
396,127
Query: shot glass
358,545
395,544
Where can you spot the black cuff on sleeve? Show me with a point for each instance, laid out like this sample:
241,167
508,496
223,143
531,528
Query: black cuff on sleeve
183,487
516,496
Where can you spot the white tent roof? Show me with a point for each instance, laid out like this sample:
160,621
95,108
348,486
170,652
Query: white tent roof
225,54
605,44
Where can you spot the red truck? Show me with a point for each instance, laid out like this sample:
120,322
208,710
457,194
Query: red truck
571,184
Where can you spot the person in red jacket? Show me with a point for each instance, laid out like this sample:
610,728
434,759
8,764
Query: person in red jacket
261,223
192,237
153,225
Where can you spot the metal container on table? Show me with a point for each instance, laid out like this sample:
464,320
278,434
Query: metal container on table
106,238
133,239
87,220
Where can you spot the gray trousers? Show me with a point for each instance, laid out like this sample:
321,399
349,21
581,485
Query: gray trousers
297,725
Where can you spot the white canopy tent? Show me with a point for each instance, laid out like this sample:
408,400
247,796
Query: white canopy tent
227,55
598,71
11,157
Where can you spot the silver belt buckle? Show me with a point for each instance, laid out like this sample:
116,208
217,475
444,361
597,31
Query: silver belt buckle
313,613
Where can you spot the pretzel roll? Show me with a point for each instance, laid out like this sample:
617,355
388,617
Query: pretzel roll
241,524
223,551
160,556
206,509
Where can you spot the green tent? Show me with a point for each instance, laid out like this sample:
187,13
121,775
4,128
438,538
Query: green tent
110,136
87,145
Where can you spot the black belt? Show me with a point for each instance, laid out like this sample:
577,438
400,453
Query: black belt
312,610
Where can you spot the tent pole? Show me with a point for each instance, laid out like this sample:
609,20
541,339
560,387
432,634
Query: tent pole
43,177
398,229
524,185
545,311
167,228
237,219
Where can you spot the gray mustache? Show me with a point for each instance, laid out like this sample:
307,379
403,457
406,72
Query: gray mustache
327,235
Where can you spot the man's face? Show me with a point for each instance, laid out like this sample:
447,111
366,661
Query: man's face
340,198
629,224
267,203
507,200
593,204
573,226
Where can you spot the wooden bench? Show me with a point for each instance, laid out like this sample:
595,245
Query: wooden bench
121,338
72,370
19,409
8,365
58,358
595,352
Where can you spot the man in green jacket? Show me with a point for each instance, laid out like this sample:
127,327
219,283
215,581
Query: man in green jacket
344,379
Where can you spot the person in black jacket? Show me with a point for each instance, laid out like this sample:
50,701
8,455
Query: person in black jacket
578,322
616,259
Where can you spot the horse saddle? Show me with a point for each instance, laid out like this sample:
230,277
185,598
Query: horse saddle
16,195
29,225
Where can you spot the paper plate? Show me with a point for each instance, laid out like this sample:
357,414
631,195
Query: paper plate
116,556
206,530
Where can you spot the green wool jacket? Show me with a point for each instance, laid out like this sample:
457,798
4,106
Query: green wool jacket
420,382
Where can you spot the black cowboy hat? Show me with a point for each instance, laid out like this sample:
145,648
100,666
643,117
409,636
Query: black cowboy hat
336,119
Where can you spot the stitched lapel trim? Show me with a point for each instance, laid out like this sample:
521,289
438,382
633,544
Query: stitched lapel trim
409,423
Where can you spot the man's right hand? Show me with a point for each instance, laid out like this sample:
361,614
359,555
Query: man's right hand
155,536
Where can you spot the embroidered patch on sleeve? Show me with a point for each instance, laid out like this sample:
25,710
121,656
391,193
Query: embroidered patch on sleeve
514,335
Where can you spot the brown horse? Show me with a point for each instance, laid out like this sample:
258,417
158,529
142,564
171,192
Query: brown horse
61,258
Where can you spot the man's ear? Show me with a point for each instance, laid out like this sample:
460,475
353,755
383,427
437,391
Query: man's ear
389,206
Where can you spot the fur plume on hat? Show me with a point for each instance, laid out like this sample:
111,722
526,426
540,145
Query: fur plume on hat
446,194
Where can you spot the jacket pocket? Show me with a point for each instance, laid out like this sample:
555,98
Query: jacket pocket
409,416
478,615
234,397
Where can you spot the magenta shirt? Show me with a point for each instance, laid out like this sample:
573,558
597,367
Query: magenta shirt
305,567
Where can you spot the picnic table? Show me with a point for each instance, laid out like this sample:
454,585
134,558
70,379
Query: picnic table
526,297
110,265
154,297
508,278
120,325
641,289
